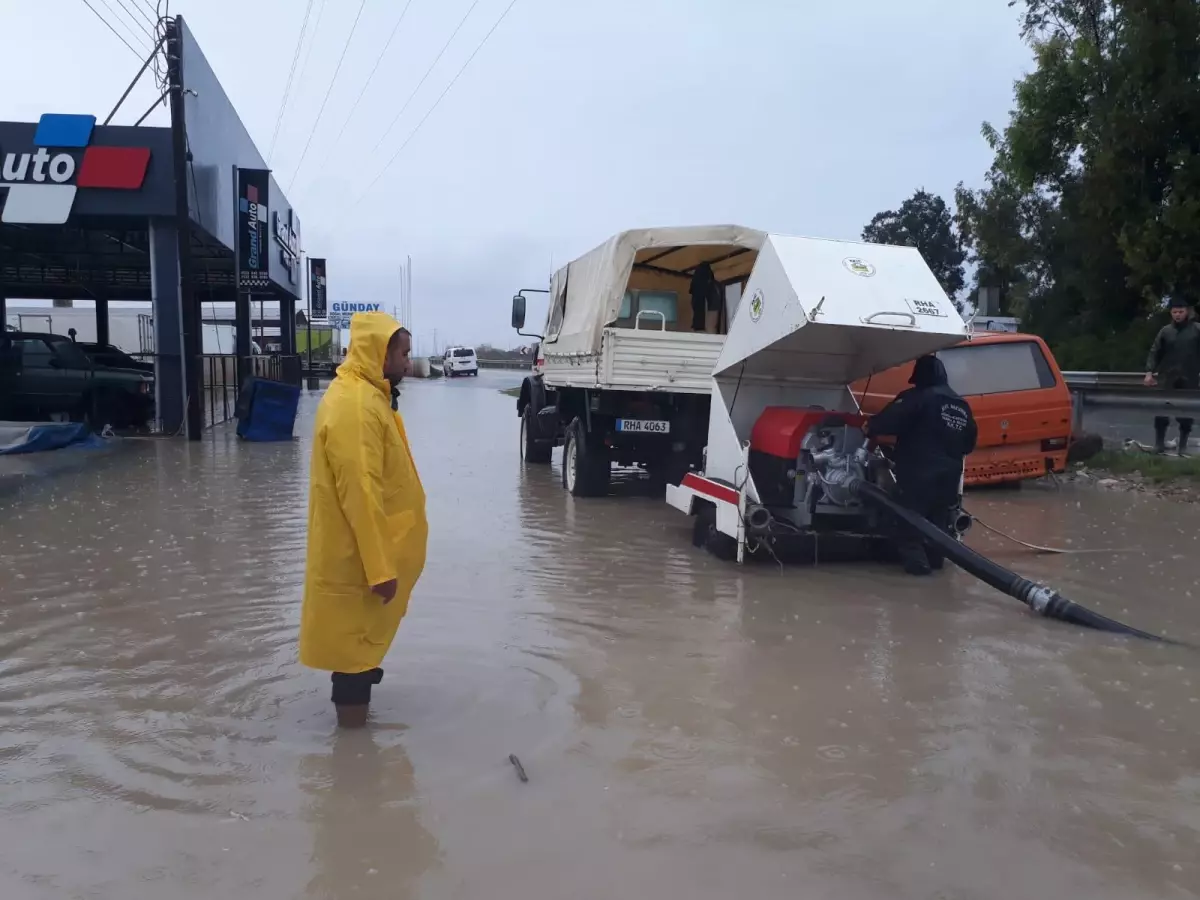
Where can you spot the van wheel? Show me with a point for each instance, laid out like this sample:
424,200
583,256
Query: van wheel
586,468
532,450
705,534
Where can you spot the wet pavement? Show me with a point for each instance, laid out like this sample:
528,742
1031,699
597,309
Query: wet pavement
689,729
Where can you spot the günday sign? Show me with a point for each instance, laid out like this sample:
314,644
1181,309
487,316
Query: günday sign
340,312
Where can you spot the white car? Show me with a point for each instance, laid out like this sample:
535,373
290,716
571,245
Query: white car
460,361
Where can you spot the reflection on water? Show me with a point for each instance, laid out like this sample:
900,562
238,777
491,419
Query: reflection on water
368,838
689,728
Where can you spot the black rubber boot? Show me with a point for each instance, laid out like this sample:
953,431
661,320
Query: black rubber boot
914,558
1183,441
1160,434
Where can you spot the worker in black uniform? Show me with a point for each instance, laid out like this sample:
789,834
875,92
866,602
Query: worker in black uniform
934,431
1174,364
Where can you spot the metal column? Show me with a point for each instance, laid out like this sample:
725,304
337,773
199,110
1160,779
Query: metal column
189,307
169,391
287,325
102,329
241,336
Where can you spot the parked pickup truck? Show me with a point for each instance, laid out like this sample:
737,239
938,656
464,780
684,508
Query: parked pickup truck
46,376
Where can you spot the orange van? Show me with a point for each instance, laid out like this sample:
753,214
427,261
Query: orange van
1018,396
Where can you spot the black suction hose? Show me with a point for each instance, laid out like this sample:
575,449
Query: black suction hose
1041,599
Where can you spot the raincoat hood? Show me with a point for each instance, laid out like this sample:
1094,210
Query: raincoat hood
929,371
370,333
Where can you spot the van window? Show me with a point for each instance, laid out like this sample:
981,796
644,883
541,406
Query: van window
997,368
464,352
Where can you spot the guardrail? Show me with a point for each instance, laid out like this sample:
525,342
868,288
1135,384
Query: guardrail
1125,390
520,364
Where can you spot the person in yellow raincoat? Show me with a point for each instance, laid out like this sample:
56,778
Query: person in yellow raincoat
366,518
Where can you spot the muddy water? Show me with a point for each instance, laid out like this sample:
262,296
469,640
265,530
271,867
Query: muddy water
689,729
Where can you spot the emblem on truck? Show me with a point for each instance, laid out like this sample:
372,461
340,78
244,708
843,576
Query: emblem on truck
756,306
856,266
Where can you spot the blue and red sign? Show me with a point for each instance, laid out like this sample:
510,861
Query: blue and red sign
42,184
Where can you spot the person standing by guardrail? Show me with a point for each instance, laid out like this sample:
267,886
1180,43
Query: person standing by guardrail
1174,364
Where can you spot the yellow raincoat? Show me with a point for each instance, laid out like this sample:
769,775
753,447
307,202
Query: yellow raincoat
366,512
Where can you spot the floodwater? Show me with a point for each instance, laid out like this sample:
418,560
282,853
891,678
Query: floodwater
689,729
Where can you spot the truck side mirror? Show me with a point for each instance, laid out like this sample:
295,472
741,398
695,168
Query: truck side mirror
518,312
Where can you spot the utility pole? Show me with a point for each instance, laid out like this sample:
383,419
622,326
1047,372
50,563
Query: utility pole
189,309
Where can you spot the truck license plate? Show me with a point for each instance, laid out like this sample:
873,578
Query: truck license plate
643,426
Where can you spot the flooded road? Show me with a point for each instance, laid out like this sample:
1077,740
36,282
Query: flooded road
689,729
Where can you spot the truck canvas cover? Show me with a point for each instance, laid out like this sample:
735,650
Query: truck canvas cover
595,283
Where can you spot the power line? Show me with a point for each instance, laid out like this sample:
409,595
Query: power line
151,19
133,19
117,18
108,25
432,65
328,91
287,89
316,31
436,102
145,18
362,93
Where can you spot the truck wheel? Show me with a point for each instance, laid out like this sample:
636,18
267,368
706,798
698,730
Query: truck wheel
705,534
586,468
532,450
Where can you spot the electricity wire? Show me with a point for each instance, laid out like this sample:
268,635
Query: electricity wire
287,88
109,26
328,91
315,32
436,102
116,17
152,19
436,60
133,19
362,93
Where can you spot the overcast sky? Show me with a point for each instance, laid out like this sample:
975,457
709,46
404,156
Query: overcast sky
577,119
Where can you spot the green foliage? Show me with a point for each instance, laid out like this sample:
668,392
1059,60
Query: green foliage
924,222
1090,213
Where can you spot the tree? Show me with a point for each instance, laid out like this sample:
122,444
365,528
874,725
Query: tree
1090,213
923,221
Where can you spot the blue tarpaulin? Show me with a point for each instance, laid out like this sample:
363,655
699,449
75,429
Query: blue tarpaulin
35,437
267,410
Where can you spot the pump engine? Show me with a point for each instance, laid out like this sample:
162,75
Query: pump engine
801,461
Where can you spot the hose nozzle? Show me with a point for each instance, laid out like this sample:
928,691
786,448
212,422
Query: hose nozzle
758,519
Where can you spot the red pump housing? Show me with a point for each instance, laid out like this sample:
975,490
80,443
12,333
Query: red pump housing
780,429
775,446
